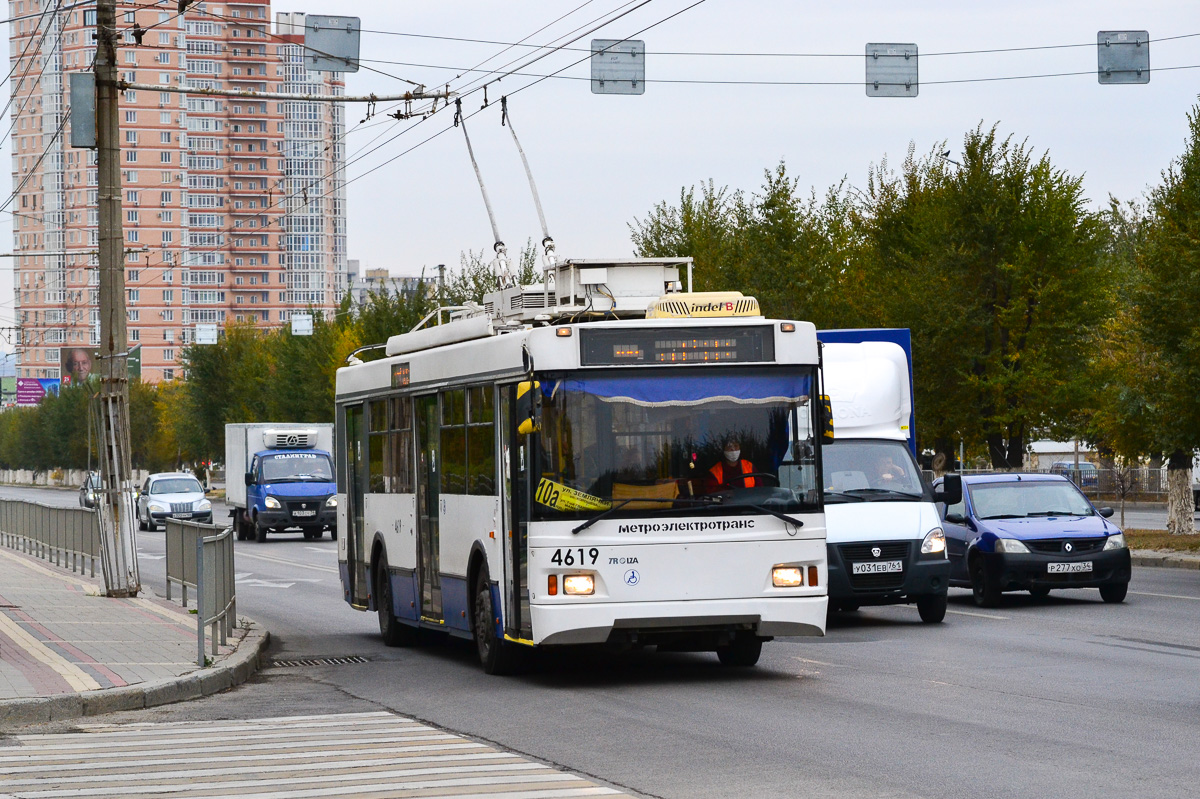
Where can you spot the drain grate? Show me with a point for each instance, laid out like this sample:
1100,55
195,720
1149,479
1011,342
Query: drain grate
342,661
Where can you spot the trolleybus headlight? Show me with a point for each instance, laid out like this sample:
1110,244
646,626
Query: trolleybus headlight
787,576
935,541
579,584
271,502
332,501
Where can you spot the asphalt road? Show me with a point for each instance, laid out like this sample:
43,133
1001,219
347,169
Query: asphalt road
1068,697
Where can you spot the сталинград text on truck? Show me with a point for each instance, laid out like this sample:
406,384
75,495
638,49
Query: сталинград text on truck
280,477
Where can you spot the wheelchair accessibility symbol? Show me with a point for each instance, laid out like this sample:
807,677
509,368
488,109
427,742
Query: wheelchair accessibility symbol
632,577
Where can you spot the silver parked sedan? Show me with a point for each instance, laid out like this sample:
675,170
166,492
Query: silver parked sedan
171,495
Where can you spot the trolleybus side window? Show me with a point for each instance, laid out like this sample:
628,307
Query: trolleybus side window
391,446
469,441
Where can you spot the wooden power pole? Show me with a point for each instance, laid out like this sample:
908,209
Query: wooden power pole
118,547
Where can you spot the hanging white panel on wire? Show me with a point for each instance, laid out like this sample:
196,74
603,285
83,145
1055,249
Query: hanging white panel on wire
618,66
1123,57
331,43
302,324
83,109
892,70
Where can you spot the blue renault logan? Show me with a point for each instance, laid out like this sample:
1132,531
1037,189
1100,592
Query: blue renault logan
1032,532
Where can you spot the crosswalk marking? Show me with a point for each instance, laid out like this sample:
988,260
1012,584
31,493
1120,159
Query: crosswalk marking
376,755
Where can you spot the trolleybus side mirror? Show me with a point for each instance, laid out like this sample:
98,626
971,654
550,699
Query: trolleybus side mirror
529,407
950,491
826,411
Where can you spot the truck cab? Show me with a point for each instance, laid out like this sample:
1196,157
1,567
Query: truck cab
885,540
291,489
286,479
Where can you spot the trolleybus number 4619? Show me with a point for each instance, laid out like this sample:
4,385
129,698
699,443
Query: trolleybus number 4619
567,557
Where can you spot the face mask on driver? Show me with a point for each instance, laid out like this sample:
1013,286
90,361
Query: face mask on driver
732,455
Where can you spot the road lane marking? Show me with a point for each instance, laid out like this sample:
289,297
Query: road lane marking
1166,596
284,561
978,615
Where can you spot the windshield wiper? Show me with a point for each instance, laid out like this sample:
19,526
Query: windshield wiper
844,495
879,492
769,512
1005,516
623,502
1056,513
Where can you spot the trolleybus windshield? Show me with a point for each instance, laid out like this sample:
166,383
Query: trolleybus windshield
684,441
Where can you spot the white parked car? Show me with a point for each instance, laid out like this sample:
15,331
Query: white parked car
171,495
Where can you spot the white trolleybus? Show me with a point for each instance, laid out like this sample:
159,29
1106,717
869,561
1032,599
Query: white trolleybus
607,461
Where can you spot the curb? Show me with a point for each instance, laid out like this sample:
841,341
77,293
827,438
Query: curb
1164,560
233,670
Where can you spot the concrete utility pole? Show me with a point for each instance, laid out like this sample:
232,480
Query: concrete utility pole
118,547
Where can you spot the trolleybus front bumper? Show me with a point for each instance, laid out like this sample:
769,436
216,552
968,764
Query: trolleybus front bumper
598,623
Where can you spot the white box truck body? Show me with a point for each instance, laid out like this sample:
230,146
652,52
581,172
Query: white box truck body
885,539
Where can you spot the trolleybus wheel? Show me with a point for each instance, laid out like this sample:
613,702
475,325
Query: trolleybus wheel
496,656
393,631
743,652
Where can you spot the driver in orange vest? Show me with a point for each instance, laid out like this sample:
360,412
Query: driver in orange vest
730,471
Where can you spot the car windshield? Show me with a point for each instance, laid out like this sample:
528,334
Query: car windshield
685,439
1019,499
296,467
861,469
176,485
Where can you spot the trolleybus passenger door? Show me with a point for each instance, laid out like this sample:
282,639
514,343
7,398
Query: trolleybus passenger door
428,497
356,482
515,451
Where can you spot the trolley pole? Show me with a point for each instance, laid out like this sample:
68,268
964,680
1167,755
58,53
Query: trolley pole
118,548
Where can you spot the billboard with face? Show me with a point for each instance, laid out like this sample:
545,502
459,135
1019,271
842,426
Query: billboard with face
78,365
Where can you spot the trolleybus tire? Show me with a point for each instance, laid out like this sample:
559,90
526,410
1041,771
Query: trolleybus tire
495,655
932,608
743,652
392,630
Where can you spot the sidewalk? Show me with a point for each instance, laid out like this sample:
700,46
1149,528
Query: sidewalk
67,651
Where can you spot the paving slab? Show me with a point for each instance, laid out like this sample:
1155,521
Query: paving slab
66,650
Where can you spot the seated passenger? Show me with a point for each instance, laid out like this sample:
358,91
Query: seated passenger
730,471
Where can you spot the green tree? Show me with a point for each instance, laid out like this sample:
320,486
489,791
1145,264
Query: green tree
1167,325
995,268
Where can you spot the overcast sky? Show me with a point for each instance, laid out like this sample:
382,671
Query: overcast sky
601,162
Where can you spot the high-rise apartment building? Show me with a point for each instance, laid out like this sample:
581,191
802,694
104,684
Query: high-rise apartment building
233,209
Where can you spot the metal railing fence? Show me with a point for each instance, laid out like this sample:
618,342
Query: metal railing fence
200,557
67,537
1144,483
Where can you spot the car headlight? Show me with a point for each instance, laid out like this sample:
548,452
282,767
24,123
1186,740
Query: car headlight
271,502
158,507
1010,546
1115,542
935,541
332,501
204,504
